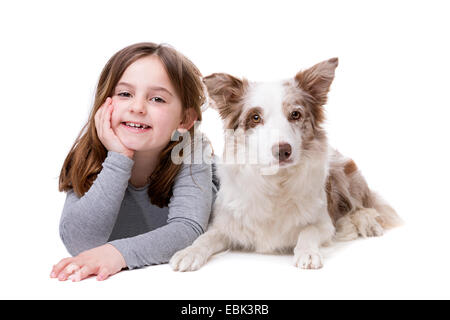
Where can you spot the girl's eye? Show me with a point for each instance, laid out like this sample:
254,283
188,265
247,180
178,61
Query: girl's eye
124,94
157,99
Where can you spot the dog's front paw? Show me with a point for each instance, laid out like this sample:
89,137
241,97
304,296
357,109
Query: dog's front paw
189,259
308,259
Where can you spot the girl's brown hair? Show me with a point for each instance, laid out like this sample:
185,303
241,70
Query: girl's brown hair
85,158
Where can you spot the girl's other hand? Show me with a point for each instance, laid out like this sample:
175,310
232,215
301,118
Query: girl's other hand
102,261
105,132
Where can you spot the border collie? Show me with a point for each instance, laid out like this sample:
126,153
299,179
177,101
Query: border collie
299,194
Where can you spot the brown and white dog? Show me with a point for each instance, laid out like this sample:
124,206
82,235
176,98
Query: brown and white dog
314,196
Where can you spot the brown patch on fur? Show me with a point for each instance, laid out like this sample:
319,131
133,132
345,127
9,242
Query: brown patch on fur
346,188
289,108
227,92
338,201
313,136
350,167
296,99
249,122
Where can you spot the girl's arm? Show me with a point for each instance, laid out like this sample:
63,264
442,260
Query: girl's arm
87,222
189,211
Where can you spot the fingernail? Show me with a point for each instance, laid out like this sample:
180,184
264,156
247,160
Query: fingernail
53,274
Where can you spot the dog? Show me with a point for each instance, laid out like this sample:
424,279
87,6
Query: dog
312,197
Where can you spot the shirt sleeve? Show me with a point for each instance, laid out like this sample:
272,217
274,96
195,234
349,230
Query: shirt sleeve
189,211
87,222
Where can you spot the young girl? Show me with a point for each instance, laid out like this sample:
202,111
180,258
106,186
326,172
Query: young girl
128,204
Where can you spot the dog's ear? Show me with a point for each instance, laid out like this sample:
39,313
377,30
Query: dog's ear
317,79
226,92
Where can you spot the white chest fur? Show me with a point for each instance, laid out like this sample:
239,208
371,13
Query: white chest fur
266,213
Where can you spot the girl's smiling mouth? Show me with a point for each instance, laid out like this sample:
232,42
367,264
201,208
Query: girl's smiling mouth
136,127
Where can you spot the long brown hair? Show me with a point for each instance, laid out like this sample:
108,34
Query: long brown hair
85,158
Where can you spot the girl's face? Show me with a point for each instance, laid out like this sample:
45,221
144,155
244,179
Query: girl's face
144,95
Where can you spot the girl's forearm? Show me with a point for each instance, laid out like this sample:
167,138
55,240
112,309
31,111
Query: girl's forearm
88,221
159,245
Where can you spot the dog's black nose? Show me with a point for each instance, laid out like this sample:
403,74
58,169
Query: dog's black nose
282,151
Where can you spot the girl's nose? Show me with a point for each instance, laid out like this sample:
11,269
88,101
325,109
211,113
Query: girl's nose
138,106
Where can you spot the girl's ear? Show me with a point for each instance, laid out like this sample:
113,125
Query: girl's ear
188,121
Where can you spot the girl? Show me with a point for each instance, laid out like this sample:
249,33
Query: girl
128,204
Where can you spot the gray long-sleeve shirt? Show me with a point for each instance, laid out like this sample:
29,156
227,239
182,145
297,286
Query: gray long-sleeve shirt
114,211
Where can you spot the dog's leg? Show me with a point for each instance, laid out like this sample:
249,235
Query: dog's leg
306,252
196,255
363,222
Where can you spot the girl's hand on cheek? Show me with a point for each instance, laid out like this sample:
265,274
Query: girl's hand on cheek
105,132
102,261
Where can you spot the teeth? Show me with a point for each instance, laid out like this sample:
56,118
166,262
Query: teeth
135,125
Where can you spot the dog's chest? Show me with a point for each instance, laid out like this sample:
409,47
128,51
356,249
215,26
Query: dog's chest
267,215
270,225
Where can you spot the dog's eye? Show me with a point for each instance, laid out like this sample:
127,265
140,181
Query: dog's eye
295,115
256,118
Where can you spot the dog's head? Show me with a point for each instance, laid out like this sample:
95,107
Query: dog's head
278,122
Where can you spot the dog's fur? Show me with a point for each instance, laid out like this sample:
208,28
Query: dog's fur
316,195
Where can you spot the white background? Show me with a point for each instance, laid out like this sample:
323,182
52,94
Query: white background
388,109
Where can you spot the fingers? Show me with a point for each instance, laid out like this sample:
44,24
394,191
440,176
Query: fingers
82,273
71,268
103,126
103,274
76,273
68,271
106,133
57,268
86,271
105,110
100,116
101,261
107,118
